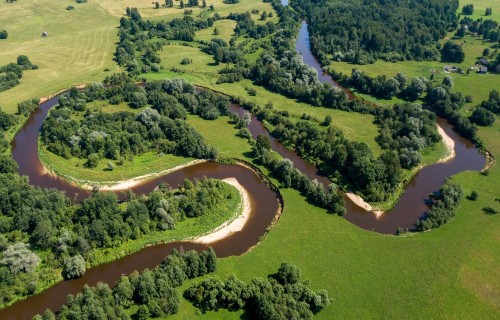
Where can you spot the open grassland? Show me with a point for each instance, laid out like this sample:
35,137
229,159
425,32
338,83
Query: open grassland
148,10
225,27
79,46
445,273
480,8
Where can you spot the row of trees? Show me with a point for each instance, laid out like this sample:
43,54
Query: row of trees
159,127
283,295
363,31
487,28
152,292
11,74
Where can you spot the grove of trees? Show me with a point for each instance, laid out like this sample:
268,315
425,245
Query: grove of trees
11,74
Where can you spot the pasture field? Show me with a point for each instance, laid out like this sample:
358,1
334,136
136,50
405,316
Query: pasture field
445,273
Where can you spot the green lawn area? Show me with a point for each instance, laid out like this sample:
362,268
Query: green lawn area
480,8
222,135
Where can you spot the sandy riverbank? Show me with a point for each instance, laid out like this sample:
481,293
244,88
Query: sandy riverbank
229,227
450,145
127,184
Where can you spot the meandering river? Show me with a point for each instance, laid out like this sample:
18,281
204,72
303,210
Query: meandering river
264,202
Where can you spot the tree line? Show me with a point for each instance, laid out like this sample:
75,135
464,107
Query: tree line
42,230
145,295
283,295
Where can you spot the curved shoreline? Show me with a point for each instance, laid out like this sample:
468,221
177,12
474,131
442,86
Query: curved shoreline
231,226
450,146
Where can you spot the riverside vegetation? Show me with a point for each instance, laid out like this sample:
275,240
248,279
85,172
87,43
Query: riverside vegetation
358,249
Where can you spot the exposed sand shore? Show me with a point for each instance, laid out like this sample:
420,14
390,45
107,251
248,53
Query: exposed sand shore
363,204
450,145
235,225
127,184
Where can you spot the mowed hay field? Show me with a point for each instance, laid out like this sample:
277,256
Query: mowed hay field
79,46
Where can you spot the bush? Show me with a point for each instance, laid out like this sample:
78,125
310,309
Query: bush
92,160
482,117
186,61
4,34
74,267
70,8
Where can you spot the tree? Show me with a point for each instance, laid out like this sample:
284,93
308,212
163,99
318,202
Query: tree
448,81
7,164
4,34
473,195
19,258
488,12
157,5
452,52
468,9
182,4
92,160
204,4
74,267
138,100
263,142
482,117
288,274
23,60
216,31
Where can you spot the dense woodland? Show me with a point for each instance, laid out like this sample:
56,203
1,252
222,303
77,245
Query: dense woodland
364,31
159,127
11,74
42,229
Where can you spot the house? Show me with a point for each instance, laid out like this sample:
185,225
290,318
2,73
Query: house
45,33
483,70
483,61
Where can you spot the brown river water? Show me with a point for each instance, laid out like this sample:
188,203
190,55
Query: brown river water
264,202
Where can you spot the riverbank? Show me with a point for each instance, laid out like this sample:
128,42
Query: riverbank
231,226
450,146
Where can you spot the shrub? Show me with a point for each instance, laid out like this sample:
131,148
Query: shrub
74,267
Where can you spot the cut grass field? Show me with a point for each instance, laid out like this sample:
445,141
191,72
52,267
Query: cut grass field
79,46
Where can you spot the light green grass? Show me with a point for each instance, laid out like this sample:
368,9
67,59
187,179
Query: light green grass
480,8
79,47
226,29
221,134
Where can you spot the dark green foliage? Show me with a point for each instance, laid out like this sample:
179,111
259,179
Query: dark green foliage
153,291
280,296
468,9
452,52
364,31
443,207
473,195
4,34
161,128
27,106
10,74
488,11
485,28
493,102
482,117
